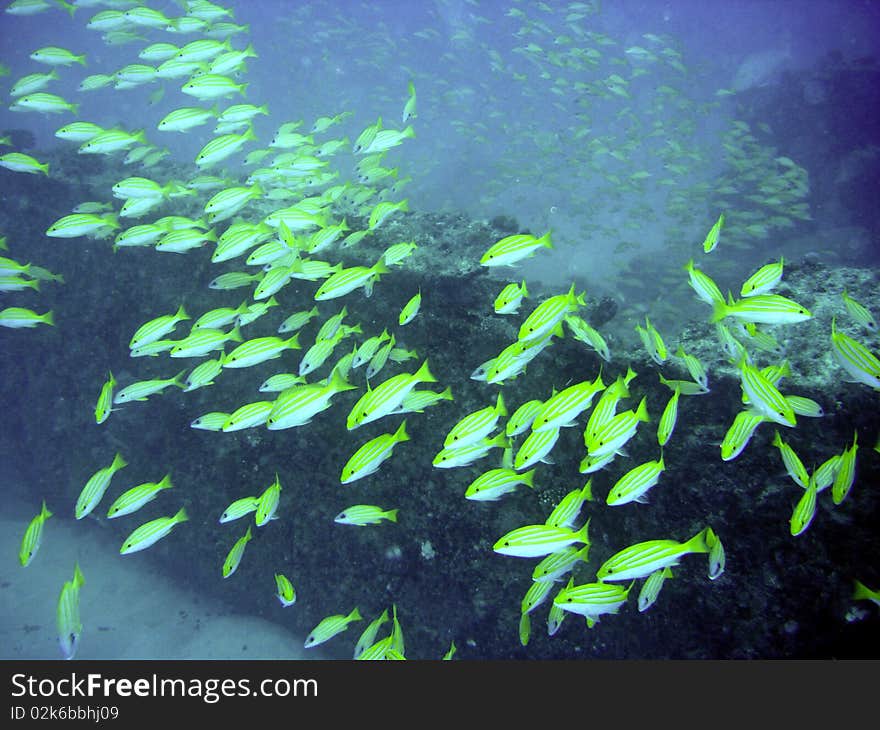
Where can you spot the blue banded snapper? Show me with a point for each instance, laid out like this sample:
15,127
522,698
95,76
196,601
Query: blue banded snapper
329,627
151,532
591,600
642,559
235,554
67,616
33,536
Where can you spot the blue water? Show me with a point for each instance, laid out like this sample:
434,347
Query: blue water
625,128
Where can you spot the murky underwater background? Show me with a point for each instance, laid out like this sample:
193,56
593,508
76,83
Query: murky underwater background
625,129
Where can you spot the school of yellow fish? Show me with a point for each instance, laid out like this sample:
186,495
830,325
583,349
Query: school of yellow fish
305,236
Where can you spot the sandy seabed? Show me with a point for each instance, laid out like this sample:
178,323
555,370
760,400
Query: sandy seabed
129,610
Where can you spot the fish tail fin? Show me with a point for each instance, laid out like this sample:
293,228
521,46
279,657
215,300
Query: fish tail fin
546,240
400,434
582,534
500,408
44,511
292,343
424,375
699,543
182,516
719,311
339,383
501,441
78,579
392,515
642,411
118,461
587,491
529,478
